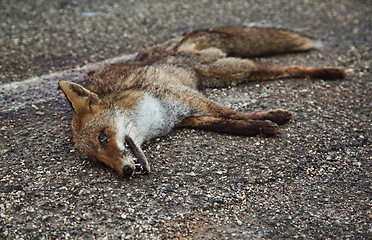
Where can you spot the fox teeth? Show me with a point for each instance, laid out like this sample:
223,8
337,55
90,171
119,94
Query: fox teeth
138,168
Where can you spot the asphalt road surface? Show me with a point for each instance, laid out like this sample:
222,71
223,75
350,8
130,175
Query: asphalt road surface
311,182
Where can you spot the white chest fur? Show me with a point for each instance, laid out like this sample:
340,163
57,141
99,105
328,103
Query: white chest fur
154,117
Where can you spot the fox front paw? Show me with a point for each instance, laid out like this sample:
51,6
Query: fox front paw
278,116
268,129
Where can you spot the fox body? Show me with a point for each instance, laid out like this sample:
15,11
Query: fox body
126,104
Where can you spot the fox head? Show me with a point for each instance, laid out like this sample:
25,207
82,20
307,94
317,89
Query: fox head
101,131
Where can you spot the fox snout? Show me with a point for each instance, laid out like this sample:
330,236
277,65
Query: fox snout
120,154
127,171
104,139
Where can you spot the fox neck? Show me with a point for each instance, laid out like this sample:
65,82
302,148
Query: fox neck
150,118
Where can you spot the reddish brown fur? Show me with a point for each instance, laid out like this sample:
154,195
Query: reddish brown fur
167,78
260,41
205,53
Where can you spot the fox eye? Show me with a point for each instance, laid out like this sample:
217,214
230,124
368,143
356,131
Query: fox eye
102,138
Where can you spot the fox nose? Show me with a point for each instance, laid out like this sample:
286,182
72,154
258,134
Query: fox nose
127,171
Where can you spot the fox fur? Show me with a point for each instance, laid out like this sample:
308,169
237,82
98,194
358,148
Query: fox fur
126,104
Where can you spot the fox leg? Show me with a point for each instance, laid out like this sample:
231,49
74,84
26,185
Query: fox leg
231,126
231,71
278,116
244,42
264,72
212,116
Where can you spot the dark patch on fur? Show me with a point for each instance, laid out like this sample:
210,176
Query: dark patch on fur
79,91
328,73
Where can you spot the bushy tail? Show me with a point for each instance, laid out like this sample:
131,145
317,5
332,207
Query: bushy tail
249,42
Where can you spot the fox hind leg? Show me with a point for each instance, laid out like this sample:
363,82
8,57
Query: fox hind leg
244,42
263,72
231,71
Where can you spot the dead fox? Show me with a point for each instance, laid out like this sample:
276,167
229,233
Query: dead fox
126,104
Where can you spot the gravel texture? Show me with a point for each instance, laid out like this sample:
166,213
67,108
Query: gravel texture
311,182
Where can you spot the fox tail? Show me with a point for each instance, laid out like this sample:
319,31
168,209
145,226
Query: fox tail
249,42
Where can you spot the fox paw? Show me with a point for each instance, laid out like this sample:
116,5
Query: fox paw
268,129
278,116
328,73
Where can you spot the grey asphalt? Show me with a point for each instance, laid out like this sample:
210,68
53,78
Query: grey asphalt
311,182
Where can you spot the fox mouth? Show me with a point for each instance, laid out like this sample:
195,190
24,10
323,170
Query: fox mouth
140,162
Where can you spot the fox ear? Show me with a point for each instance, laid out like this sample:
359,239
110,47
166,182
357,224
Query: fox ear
81,99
